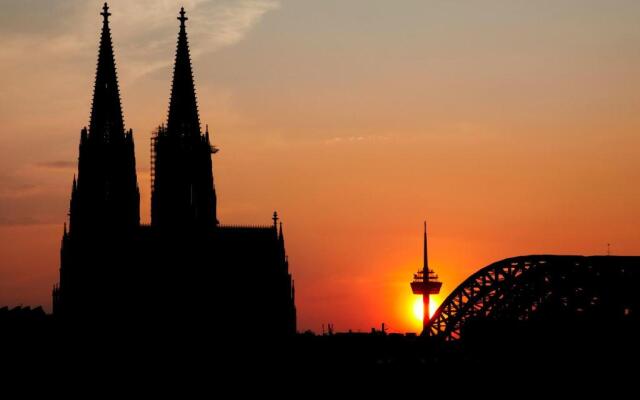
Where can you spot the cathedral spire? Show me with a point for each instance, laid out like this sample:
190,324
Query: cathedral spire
106,111
183,108
183,189
105,196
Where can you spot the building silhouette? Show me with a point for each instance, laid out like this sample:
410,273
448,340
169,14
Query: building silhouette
185,270
187,276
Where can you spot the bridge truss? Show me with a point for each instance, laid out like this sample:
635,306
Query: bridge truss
541,286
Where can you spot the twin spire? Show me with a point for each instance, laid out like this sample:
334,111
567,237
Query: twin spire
183,119
182,187
106,120
183,192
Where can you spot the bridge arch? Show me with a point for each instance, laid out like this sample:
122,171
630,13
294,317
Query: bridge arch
537,286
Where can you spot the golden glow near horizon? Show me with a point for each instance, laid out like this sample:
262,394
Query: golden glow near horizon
511,126
418,307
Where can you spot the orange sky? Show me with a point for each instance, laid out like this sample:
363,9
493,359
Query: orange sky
512,127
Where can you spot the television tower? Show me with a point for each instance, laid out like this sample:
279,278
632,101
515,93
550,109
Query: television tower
425,282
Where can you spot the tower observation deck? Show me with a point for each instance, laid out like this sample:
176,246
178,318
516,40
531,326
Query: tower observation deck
425,283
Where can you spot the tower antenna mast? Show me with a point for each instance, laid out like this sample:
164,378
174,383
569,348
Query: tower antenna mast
425,283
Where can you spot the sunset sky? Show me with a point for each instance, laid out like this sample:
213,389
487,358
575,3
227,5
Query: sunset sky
512,126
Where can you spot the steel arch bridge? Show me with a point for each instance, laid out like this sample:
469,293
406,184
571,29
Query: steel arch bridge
542,287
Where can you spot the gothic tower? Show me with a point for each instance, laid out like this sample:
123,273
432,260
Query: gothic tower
105,196
183,192
105,200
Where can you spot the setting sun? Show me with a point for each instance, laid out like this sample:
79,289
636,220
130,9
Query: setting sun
418,308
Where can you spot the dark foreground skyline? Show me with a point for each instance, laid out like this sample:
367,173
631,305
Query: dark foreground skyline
511,126
187,289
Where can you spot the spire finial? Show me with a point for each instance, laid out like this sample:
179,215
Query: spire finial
275,219
182,18
105,12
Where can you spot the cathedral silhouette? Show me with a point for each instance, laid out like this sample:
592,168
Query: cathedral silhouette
184,271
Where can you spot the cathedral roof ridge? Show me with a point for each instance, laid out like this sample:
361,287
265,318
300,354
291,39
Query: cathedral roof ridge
248,226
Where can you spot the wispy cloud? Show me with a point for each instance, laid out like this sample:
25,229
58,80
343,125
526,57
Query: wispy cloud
144,31
147,29
58,164
25,202
14,186
356,139
6,220
226,23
